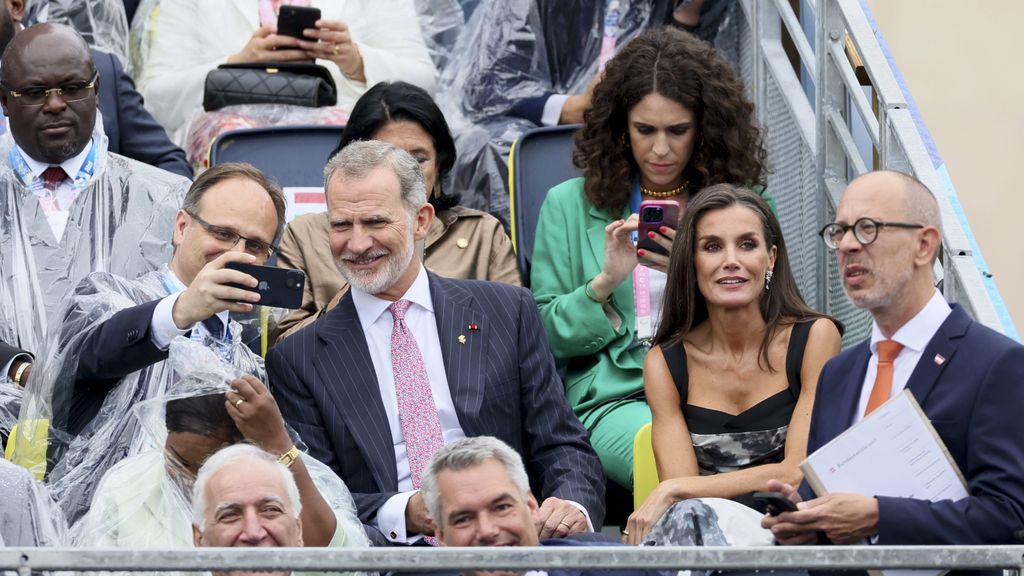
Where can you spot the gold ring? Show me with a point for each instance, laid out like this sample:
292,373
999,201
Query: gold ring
335,50
625,532
239,402
563,523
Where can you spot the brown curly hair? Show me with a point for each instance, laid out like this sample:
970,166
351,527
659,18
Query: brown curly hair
689,71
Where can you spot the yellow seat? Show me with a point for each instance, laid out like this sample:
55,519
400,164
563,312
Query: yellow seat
26,447
645,470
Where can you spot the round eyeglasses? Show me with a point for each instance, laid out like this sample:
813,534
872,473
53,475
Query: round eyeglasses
865,230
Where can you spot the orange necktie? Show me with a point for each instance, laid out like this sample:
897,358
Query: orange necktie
888,350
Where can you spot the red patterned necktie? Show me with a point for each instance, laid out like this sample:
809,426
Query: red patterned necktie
53,176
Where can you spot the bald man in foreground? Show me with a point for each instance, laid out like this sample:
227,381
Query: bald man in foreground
968,379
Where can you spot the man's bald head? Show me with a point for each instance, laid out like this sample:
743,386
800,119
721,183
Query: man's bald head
50,90
64,36
918,200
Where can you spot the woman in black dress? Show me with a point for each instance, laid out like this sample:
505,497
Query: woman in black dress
732,375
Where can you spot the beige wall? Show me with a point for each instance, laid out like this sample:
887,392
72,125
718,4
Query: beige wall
961,62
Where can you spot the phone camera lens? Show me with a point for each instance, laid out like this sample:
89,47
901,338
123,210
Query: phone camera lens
653,214
295,280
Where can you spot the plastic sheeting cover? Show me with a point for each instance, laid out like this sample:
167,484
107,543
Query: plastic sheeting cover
113,433
101,22
28,517
122,222
144,501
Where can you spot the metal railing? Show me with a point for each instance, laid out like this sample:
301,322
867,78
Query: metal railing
816,114
1009,558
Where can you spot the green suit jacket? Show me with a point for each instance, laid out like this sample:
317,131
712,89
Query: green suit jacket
603,364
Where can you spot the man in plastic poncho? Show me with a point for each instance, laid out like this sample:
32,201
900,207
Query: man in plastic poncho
111,349
67,206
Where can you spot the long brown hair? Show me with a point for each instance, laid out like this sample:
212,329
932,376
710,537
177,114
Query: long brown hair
689,71
685,307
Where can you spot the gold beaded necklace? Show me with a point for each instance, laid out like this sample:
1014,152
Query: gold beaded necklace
665,194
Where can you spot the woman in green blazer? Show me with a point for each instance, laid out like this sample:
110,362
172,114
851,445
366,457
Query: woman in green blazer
668,119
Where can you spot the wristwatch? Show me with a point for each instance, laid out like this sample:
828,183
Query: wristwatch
289,457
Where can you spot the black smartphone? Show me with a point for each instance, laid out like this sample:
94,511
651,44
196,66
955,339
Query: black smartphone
278,287
773,503
292,20
653,215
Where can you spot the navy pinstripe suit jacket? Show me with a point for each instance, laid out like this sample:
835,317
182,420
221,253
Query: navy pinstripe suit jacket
503,384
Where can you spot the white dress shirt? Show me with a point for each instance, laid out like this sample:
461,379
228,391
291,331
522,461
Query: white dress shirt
162,328
914,336
66,191
377,324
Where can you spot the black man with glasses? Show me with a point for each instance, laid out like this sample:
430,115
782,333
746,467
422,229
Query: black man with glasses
68,206
111,352
968,379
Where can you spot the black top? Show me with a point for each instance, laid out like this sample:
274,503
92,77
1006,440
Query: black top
725,442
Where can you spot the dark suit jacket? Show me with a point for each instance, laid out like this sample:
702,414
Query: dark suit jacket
131,129
502,381
116,348
974,399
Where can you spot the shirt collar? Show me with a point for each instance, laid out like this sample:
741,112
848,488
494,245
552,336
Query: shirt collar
71,166
916,333
369,307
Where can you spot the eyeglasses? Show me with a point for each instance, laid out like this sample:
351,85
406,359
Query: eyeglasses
229,237
865,230
72,92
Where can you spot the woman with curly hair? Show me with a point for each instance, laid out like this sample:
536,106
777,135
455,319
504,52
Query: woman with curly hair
668,119
732,376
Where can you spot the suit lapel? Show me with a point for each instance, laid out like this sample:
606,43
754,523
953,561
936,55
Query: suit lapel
938,354
848,396
344,366
463,331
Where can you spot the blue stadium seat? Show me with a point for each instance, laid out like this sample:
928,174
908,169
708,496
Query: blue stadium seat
539,160
292,155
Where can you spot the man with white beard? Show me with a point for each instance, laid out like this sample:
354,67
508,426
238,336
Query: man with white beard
408,361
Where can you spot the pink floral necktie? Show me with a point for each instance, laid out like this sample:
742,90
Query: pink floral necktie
417,412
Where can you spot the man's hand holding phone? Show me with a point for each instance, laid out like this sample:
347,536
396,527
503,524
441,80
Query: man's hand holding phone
210,291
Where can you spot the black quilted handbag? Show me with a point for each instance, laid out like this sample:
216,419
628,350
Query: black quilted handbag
295,83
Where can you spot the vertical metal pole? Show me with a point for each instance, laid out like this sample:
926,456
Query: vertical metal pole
821,57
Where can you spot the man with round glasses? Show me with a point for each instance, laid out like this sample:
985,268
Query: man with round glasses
69,207
968,379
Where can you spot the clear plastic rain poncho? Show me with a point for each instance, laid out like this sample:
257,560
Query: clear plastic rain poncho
101,22
122,222
144,501
28,517
76,464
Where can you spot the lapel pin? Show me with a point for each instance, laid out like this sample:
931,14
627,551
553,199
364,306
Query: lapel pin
473,327
462,338
462,243
939,359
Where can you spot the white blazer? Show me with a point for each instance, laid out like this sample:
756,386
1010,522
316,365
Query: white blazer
192,37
